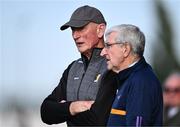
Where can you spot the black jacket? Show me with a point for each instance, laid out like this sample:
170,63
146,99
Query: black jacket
53,112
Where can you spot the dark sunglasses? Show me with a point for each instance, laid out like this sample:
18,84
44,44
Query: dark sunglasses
175,90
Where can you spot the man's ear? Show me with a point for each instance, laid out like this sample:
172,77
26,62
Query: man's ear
127,49
100,30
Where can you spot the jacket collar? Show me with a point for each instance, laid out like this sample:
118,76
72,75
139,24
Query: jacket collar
124,74
94,57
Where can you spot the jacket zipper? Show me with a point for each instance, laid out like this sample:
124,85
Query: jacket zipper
79,87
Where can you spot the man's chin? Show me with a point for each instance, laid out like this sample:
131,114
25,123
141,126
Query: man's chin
81,50
109,67
115,70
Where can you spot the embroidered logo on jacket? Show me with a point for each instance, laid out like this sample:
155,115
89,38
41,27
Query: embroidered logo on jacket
76,78
97,78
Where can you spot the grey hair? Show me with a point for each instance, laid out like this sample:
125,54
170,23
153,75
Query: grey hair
174,73
129,34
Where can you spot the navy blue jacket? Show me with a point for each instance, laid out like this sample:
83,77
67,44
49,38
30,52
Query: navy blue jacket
139,99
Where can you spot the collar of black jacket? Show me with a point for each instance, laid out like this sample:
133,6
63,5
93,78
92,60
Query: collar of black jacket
124,74
95,55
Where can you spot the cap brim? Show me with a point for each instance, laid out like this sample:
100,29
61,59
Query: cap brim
74,23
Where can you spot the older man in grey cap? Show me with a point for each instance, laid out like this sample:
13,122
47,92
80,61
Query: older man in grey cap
86,89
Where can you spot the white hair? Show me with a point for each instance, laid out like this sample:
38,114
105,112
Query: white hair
129,34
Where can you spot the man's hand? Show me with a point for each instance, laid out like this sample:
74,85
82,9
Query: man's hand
80,106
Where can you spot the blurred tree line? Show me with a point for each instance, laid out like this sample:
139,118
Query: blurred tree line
165,59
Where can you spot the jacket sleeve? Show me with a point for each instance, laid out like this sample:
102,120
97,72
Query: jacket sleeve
99,112
52,111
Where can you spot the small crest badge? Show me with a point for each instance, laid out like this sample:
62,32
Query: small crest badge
97,78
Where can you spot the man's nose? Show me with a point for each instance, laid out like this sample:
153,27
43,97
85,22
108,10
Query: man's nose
75,34
103,52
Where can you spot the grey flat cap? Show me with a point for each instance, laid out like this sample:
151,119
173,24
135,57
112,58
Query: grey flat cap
84,15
